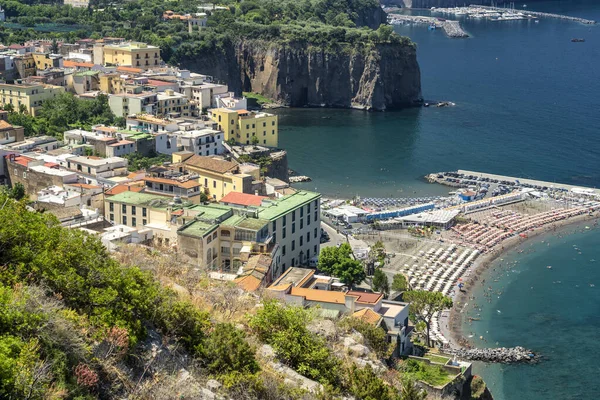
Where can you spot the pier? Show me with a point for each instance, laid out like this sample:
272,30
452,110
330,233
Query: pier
541,14
451,28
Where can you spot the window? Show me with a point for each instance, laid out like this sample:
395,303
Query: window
315,248
272,123
274,226
133,221
301,223
293,262
301,240
301,212
112,217
123,208
124,220
293,215
283,250
293,228
144,212
308,208
215,184
308,219
144,222
274,237
293,245
247,126
307,237
316,219
283,233
315,233
111,207
264,124
133,210
284,220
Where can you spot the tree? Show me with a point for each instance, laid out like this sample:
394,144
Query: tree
17,192
366,385
350,272
424,305
377,252
410,391
226,350
22,109
9,107
330,256
399,283
380,282
54,47
254,140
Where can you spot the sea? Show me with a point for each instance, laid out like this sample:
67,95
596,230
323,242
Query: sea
527,105
527,102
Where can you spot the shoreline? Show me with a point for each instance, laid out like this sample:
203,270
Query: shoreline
450,323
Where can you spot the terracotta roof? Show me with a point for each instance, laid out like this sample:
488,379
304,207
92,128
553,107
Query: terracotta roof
211,164
130,69
249,283
242,111
16,46
51,165
324,296
367,298
369,316
243,199
186,185
133,175
5,125
106,128
121,142
22,160
70,64
123,188
156,82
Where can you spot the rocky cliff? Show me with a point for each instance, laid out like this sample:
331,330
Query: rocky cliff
373,77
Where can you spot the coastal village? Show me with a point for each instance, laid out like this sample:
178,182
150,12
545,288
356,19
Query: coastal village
222,199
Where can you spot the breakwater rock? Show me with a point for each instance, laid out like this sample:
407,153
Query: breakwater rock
504,355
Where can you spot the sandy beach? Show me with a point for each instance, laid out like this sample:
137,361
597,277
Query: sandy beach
451,321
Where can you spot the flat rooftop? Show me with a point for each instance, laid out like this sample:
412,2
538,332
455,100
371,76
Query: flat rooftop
272,209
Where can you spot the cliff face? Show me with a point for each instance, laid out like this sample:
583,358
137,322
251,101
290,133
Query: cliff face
380,77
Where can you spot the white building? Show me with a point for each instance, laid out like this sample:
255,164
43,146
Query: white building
203,142
98,167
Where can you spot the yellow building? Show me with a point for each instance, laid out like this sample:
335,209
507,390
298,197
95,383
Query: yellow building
134,54
219,177
32,96
112,83
45,61
242,125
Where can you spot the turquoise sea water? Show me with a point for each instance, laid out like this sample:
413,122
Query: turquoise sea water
552,311
527,104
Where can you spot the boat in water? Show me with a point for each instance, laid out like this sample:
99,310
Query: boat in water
577,40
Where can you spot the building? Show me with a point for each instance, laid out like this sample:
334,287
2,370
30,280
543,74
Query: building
184,187
36,175
46,61
97,167
151,124
243,125
31,96
203,95
172,104
134,54
124,104
219,177
204,142
11,134
24,63
295,224
44,143
83,81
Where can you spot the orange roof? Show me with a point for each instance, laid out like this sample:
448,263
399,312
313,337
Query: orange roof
51,165
5,125
242,111
122,142
363,297
324,296
156,82
106,128
130,69
123,188
70,64
133,175
243,199
186,185
249,283
367,315
22,160
178,212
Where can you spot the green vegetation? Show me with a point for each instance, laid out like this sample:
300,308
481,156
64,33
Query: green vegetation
336,261
284,328
478,387
434,375
436,358
137,162
257,98
424,305
399,284
375,337
62,113
380,282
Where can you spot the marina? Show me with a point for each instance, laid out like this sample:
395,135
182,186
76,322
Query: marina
451,28
504,14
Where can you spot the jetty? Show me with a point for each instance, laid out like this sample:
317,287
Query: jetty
452,29
300,178
503,355
541,14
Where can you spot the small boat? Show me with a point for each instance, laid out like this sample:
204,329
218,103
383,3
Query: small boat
577,40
